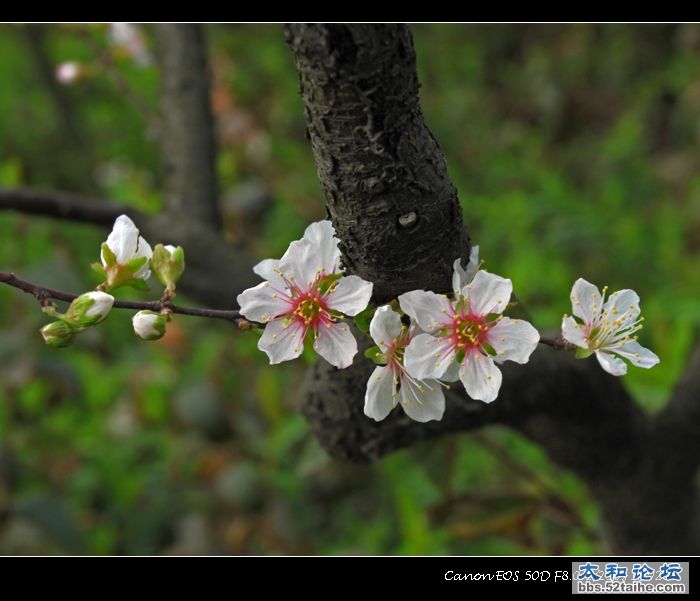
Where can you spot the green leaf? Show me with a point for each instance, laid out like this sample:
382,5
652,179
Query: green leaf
363,319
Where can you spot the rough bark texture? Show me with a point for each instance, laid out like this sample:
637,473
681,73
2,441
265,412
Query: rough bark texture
187,134
385,180
396,212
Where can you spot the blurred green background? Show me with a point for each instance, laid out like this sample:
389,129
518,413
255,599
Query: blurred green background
575,152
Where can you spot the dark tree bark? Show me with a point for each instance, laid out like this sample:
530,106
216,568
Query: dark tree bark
187,133
397,216
385,180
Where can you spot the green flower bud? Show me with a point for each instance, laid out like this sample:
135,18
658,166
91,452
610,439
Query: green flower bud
168,263
89,309
150,325
58,334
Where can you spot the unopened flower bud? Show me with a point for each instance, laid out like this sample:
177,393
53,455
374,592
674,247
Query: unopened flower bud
149,325
89,309
58,334
168,263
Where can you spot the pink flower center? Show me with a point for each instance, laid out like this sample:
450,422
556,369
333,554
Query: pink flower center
309,309
469,332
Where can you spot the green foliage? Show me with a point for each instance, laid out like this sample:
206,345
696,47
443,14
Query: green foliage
574,150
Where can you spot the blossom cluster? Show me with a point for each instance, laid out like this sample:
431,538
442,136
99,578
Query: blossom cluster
126,260
423,340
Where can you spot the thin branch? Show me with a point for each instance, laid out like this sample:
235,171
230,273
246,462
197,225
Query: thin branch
557,343
64,205
42,294
217,271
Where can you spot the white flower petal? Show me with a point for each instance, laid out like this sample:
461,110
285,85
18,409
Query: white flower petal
637,354
480,376
262,303
148,325
513,339
350,296
266,270
572,332
613,365
336,344
143,250
299,263
385,327
428,357
586,301
321,236
102,305
379,400
488,293
424,401
451,373
431,311
123,239
461,277
282,342
622,306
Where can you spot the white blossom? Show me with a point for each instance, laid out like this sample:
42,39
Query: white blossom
68,72
608,327
421,400
126,244
467,336
306,291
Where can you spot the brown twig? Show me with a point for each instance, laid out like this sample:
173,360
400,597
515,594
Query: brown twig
558,343
42,294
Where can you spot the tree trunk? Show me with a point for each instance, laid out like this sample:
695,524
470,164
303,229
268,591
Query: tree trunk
399,222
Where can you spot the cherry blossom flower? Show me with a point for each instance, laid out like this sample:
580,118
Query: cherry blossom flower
608,327
422,400
466,337
126,253
306,291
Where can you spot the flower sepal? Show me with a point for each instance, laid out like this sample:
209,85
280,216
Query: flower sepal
582,353
119,275
168,263
375,354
